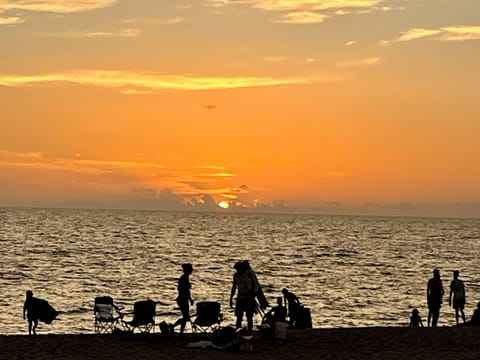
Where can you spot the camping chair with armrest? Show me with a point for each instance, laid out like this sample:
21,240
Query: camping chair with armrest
208,317
107,315
143,317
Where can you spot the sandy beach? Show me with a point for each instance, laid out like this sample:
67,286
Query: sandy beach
348,343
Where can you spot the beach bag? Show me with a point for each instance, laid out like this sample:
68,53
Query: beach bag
44,311
304,320
280,330
245,340
258,292
167,330
262,300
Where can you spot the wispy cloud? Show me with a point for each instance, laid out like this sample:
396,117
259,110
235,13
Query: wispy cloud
312,5
361,62
302,17
124,80
123,33
309,11
274,59
11,20
57,6
156,21
447,33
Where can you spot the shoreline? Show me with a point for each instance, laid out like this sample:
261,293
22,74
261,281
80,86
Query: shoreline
337,343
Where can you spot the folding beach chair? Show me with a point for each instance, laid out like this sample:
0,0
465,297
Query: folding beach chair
208,317
107,315
143,317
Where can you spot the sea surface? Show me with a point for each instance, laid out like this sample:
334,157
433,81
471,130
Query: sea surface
350,271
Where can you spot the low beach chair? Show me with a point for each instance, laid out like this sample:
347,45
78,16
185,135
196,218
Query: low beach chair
143,317
208,317
107,315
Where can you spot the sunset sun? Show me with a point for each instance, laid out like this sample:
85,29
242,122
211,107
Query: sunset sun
223,204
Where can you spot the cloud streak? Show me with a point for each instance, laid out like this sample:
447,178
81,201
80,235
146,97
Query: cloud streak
313,5
124,80
11,20
308,11
446,33
362,62
56,6
302,17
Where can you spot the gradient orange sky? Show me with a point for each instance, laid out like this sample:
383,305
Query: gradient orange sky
334,106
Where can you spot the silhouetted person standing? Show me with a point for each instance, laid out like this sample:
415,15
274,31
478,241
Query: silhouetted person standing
184,298
457,289
245,286
294,306
37,309
32,315
434,298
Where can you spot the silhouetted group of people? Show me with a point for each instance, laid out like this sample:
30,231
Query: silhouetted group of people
456,299
247,296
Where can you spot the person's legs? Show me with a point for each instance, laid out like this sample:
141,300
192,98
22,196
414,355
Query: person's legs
35,324
238,324
429,317
463,314
30,327
456,315
435,316
240,308
185,309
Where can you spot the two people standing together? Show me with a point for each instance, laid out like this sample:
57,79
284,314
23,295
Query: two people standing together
245,285
435,292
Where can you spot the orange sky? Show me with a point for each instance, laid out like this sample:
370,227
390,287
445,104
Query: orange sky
336,106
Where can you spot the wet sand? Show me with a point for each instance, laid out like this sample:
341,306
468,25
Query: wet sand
355,343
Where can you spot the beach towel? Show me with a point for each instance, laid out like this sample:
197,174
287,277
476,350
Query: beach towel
43,310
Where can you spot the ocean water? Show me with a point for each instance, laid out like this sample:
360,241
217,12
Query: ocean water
350,271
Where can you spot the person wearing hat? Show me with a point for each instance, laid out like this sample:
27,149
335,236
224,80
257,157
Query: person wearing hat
184,298
434,298
457,289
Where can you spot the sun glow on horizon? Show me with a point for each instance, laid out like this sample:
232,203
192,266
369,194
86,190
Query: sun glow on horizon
224,204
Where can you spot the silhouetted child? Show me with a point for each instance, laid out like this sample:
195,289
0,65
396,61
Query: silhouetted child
277,313
415,319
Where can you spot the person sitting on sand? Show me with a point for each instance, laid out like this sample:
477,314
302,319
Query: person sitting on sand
245,286
276,313
434,298
294,306
29,310
475,321
457,289
415,319
184,298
